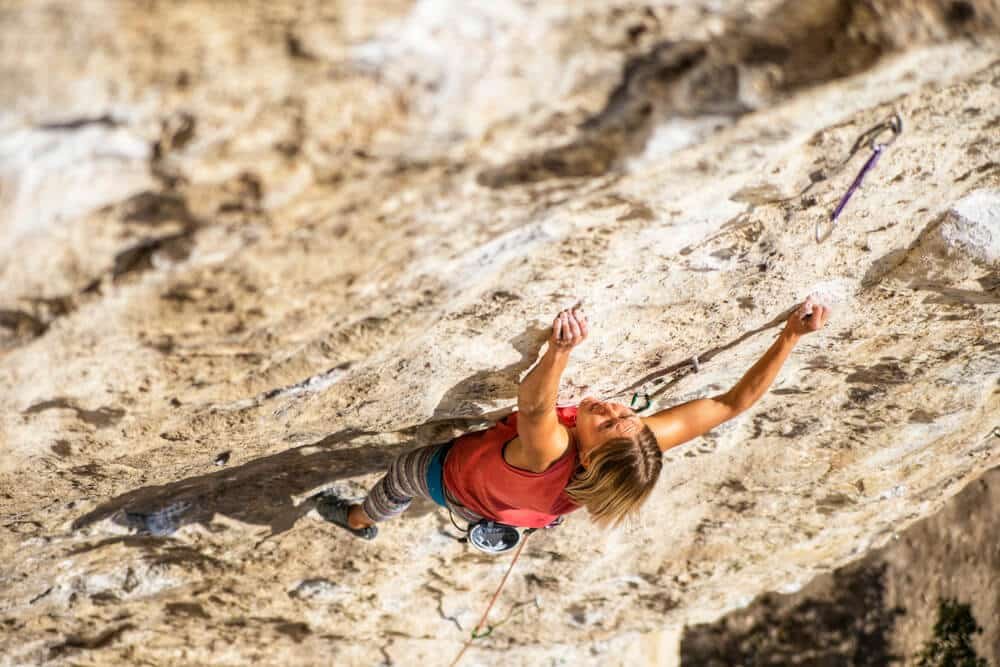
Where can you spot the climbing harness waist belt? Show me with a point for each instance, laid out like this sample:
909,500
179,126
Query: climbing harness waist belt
435,474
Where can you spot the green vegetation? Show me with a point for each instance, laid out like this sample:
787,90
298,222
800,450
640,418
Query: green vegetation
951,645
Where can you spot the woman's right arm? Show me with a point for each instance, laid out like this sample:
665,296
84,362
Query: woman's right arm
541,438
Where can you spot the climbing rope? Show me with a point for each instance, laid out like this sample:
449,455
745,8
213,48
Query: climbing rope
482,621
642,400
894,125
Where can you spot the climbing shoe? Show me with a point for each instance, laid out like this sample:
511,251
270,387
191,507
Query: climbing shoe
160,522
335,510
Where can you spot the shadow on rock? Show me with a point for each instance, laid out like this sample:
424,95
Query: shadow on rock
259,492
262,492
458,409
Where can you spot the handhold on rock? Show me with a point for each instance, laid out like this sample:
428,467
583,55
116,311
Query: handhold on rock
973,225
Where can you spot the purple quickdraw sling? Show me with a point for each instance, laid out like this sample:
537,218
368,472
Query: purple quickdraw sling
877,151
895,124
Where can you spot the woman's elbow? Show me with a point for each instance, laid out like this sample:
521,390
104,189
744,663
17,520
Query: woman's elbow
735,403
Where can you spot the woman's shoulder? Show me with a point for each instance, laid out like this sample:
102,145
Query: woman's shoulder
567,415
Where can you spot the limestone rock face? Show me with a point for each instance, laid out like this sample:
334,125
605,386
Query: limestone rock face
253,250
880,607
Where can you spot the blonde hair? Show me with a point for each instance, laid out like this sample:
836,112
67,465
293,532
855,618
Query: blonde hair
619,479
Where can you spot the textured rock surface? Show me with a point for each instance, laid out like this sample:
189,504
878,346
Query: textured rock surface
306,234
880,607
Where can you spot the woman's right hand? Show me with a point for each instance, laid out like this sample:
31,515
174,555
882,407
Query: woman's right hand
569,329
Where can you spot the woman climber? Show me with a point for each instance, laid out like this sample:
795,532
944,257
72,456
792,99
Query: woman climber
544,461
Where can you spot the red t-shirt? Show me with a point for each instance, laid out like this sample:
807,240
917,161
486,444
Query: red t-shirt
476,474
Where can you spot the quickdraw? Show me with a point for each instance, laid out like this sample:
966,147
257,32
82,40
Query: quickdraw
642,400
894,125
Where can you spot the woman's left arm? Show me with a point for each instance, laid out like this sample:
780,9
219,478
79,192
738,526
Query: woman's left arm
808,317
677,425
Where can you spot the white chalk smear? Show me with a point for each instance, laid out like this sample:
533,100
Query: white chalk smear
894,492
974,226
829,293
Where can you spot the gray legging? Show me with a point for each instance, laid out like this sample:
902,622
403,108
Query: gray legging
405,480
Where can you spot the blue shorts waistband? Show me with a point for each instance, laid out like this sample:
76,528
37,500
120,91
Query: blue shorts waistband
435,474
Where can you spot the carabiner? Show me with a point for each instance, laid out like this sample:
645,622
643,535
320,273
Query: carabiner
894,124
635,401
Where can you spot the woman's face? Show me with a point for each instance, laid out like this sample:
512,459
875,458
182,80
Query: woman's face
599,421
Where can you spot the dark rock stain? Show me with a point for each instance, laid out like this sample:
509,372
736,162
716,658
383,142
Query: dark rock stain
101,417
100,640
62,448
887,372
833,502
921,416
21,326
297,631
858,397
156,208
186,609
